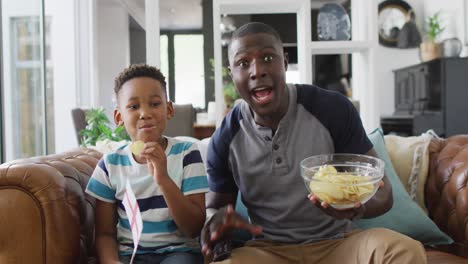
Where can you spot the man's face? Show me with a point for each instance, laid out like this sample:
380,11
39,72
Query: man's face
258,66
143,109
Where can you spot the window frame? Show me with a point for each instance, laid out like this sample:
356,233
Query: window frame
171,60
43,65
10,70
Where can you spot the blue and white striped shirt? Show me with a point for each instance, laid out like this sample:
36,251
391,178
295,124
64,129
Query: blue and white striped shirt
160,233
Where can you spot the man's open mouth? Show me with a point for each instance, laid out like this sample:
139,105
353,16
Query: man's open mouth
262,94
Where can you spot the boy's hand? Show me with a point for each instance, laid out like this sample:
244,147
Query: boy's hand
221,223
157,161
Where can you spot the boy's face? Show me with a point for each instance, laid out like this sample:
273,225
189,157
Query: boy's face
143,109
258,69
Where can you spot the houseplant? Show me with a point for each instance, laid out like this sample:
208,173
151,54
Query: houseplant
429,49
98,129
229,91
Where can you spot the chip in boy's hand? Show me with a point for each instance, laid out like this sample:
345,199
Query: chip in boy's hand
136,147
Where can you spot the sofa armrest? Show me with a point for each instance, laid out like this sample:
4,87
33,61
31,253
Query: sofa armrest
46,216
446,189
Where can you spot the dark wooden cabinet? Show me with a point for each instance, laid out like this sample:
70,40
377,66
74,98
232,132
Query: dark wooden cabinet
430,95
203,131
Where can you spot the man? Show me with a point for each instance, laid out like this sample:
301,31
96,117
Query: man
257,151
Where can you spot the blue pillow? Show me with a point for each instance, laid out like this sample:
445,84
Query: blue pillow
405,217
240,236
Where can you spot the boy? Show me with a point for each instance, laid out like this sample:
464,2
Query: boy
276,127
168,178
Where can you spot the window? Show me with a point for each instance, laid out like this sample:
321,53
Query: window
189,70
182,62
24,100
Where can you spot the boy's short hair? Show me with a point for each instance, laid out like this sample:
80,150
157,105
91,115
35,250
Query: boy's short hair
139,70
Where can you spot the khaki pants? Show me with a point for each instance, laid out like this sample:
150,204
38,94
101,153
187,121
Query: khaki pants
376,245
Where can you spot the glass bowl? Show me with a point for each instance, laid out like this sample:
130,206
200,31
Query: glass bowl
341,180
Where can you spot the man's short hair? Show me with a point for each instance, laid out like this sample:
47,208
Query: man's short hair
139,70
255,28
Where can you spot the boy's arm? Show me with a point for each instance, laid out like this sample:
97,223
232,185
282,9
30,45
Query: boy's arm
106,232
188,211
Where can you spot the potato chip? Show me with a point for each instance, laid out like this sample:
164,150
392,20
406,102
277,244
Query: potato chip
339,188
136,147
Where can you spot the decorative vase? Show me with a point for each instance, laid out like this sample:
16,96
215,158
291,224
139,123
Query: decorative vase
429,50
451,47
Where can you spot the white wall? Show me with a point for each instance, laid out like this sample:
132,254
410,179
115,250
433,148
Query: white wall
109,55
113,51
63,44
109,51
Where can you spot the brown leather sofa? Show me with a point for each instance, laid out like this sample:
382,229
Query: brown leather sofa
45,216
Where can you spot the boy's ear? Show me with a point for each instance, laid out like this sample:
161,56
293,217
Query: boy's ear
170,110
118,117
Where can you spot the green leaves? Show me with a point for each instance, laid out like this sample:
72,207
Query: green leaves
229,90
434,26
98,129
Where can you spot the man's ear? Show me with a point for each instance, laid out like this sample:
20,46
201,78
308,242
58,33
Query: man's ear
170,110
286,61
118,117
229,70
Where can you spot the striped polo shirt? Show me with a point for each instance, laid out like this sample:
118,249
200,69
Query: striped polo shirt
160,233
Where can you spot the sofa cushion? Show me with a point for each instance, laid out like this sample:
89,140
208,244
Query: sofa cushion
406,216
410,158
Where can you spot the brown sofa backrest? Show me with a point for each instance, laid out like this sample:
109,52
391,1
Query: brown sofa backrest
446,191
42,199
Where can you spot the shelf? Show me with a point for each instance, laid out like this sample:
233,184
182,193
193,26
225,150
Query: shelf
258,7
338,47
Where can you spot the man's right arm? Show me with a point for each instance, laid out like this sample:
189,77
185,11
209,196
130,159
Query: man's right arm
216,200
222,221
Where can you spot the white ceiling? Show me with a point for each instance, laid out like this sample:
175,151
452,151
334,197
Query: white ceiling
178,14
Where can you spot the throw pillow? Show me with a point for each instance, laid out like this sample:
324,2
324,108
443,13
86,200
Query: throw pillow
107,145
410,158
406,216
